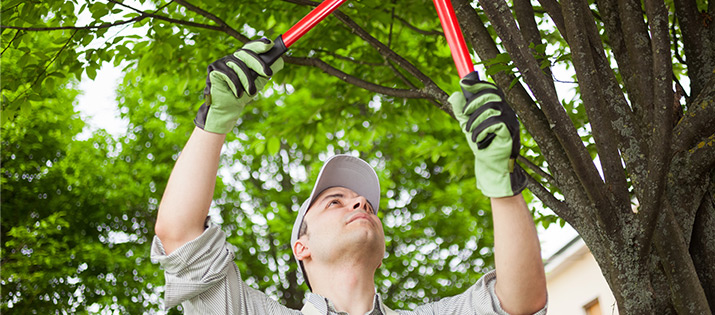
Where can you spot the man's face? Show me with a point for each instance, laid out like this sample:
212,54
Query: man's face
343,225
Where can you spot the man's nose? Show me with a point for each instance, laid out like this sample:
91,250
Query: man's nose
360,203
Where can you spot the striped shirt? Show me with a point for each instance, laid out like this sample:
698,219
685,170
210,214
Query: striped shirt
202,276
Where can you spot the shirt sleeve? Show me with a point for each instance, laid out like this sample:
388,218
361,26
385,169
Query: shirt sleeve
202,276
481,298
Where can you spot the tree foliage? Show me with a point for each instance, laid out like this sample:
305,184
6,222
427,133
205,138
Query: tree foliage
371,80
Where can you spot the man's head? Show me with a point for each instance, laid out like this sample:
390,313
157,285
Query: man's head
339,220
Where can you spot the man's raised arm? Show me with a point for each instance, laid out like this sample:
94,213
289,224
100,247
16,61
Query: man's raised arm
230,85
492,131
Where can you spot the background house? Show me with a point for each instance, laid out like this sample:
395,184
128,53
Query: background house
575,283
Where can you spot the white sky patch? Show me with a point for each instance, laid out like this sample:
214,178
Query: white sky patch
98,105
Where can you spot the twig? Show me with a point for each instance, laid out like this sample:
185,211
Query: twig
46,67
314,62
537,169
223,25
17,32
87,27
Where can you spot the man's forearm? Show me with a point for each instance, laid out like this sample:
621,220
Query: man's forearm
521,284
187,198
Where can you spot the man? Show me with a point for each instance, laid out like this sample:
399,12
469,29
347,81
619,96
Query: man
338,239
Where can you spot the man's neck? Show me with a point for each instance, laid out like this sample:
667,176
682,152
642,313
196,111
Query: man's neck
351,289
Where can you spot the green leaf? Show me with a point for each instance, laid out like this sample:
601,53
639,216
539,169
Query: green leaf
308,141
260,146
274,145
91,71
492,70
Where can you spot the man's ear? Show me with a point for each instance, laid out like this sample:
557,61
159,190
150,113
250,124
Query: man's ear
301,250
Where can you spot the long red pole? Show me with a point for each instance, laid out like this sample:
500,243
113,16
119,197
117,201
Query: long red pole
285,40
310,20
453,32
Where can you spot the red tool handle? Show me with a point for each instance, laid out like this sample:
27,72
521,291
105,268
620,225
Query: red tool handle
310,20
453,32
299,29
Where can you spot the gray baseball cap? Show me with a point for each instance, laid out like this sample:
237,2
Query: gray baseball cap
340,170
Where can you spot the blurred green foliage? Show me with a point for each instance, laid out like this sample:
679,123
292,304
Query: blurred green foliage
78,215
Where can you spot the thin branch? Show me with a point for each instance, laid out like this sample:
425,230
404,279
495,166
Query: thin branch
674,33
392,23
39,76
559,207
87,27
341,57
223,26
407,81
430,90
400,75
418,30
17,32
168,19
537,169
314,62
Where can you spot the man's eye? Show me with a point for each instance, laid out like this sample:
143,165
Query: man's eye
333,202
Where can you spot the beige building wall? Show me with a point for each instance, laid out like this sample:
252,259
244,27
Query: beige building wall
575,283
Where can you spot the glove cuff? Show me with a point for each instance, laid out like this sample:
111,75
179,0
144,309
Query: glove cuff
497,184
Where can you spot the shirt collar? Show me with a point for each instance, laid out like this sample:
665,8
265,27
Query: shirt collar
325,306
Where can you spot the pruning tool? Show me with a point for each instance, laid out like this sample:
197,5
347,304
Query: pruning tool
455,40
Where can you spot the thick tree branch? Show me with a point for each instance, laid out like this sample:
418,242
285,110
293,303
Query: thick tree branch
699,120
314,62
527,24
659,148
580,27
698,52
687,293
531,115
702,156
637,42
612,25
553,8
500,16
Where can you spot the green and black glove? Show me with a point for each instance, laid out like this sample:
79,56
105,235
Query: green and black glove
232,82
492,131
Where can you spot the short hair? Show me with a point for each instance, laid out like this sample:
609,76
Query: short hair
303,229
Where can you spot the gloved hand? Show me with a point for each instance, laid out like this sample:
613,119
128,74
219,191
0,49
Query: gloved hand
230,85
492,131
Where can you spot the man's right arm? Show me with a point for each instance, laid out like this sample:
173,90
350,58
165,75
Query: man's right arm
186,200
231,84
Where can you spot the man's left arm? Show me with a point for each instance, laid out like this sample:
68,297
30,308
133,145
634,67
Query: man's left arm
521,283
492,131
